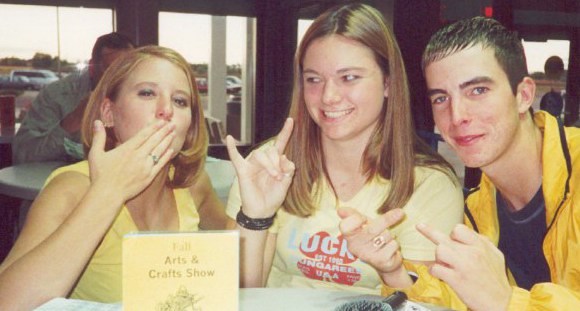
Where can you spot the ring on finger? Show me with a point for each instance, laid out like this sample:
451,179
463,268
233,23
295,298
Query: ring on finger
379,241
154,158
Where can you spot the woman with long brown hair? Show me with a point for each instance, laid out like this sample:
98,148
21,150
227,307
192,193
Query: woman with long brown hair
348,148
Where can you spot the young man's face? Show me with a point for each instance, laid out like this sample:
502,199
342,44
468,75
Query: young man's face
474,107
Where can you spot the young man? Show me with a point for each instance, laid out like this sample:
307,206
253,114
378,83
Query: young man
520,246
480,93
51,129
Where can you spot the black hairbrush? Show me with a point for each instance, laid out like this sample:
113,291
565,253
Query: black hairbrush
390,303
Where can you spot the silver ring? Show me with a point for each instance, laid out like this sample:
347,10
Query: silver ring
379,241
155,158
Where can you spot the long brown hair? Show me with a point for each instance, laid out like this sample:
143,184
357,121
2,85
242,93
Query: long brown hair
393,150
190,160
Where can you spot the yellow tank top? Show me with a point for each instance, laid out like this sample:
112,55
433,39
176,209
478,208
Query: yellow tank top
101,280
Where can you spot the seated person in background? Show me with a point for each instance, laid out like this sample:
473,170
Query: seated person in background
352,150
553,101
146,140
51,129
520,246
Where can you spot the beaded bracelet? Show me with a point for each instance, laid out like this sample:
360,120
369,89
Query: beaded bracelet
256,224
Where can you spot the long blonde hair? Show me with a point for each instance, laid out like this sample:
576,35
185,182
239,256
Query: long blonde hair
190,160
393,150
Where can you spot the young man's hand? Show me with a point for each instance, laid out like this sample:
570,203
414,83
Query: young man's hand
472,266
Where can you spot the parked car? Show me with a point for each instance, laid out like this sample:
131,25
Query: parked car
233,86
16,83
39,77
201,85
233,80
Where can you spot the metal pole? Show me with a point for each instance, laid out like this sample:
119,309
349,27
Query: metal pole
58,40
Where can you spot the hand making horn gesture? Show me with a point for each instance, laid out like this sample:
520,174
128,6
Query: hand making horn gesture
372,241
265,175
472,265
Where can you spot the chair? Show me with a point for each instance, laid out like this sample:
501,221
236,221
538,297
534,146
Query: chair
215,130
222,175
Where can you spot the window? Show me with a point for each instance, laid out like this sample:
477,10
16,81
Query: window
537,54
220,50
30,29
303,25
59,39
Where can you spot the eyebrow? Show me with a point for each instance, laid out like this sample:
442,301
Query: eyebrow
309,71
476,80
347,69
431,92
462,86
342,70
155,84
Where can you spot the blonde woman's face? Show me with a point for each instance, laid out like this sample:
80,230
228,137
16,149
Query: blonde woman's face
344,88
156,89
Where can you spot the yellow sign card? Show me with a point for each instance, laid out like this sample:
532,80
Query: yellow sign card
181,271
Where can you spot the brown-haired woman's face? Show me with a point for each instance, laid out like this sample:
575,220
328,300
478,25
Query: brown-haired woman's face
344,88
156,90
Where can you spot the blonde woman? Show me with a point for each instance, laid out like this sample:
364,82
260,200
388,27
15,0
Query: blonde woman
145,134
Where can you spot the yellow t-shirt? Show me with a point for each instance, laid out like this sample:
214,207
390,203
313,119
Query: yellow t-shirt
101,280
311,253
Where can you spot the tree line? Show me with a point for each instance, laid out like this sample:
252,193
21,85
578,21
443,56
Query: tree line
46,61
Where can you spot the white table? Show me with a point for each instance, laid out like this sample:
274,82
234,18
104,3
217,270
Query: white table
306,299
258,299
222,174
24,181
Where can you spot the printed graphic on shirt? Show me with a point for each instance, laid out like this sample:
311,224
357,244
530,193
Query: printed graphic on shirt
327,259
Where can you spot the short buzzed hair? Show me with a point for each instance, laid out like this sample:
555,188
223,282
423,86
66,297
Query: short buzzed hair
113,40
466,33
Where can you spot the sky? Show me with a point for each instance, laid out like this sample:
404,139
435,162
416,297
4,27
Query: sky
27,29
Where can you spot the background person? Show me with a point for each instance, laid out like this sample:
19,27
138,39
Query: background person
51,129
553,101
521,218
145,173
349,146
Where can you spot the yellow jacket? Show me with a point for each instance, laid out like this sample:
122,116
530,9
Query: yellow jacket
561,187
